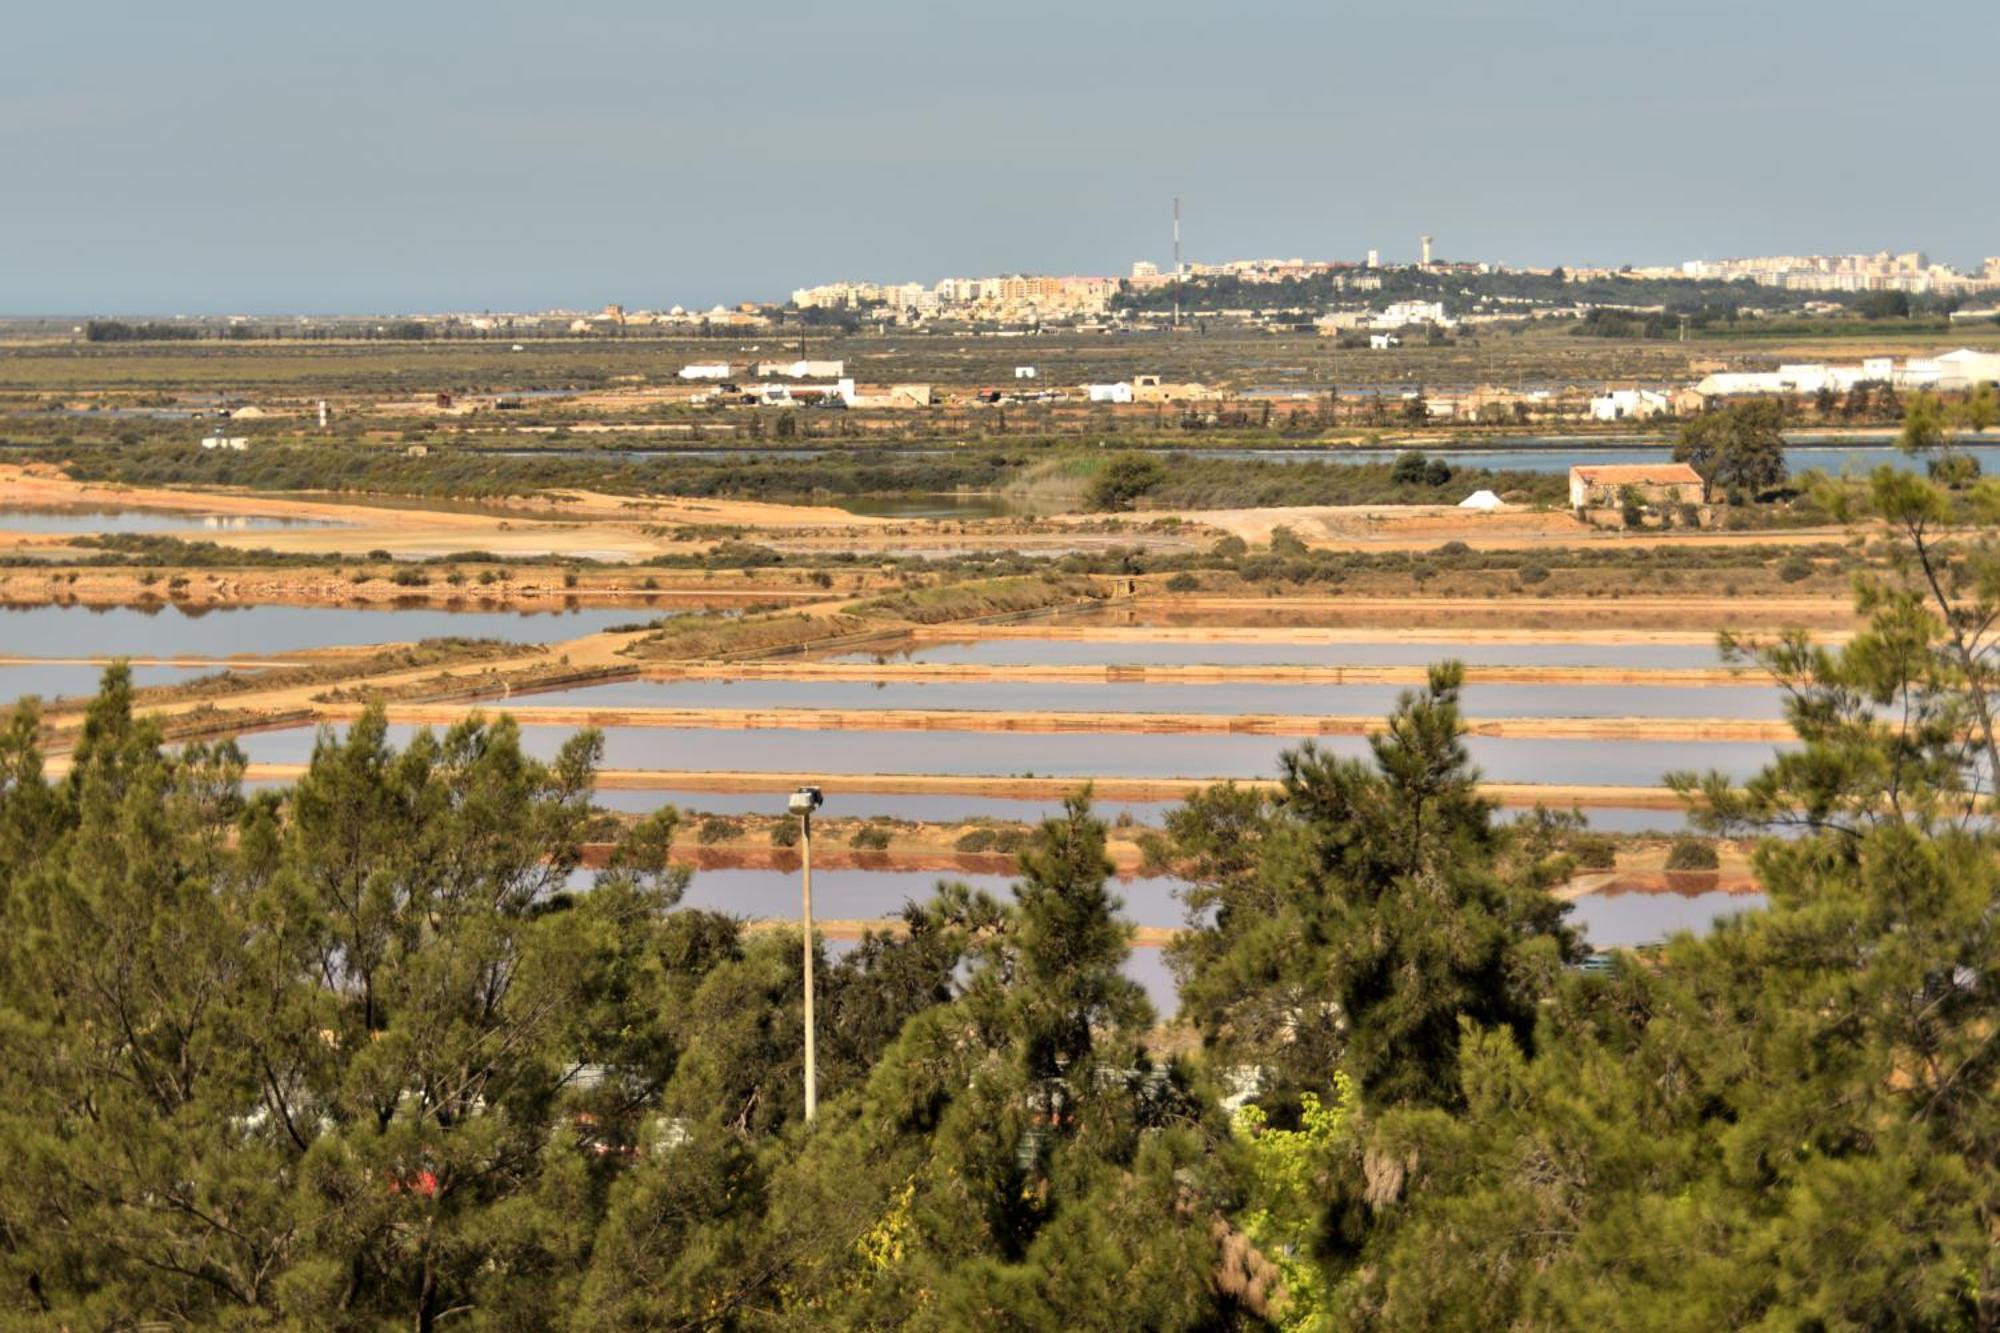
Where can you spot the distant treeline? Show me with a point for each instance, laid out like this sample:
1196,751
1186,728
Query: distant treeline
1190,482
1703,300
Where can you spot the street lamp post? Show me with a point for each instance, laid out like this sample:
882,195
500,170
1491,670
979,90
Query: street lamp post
804,801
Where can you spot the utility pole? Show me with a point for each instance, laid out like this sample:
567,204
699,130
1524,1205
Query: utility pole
1177,263
804,801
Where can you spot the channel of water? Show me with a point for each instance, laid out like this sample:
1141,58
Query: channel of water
1035,696
790,754
168,630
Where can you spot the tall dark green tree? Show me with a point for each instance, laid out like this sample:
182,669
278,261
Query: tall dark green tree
1381,917
1740,447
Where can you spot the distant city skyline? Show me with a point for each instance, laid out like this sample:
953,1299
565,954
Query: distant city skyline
236,157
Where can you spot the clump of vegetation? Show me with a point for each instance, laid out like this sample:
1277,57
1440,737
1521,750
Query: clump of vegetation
1594,851
870,837
1692,854
716,829
1121,482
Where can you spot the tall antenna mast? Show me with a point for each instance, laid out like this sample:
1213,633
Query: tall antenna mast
1177,261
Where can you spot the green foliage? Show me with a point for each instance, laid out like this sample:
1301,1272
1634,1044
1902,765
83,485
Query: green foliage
1594,851
358,1054
1738,447
870,837
1692,854
716,829
1120,483
1284,1211
1397,869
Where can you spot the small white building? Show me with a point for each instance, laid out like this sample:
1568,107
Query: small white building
713,370
233,443
1024,372
802,370
1382,342
1654,483
1400,314
1966,368
1121,392
1741,384
1629,405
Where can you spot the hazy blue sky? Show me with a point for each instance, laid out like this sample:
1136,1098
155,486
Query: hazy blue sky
257,155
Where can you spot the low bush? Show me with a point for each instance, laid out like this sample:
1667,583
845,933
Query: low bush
715,829
1692,854
1593,851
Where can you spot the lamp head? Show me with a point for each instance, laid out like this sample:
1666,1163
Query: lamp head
806,800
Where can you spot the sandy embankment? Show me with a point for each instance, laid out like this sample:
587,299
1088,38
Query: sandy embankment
579,523
1425,527
919,672
1050,722
1313,634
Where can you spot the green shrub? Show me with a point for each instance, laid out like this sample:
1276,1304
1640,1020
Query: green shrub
716,829
785,833
1532,573
1184,582
1122,480
1692,854
975,840
1593,851
870,837
1795,569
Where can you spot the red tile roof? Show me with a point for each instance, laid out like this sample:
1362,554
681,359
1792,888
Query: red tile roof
1639,474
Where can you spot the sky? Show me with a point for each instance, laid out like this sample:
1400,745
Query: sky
246,156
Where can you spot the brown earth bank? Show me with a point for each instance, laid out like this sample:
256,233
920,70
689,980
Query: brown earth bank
1424,527
995,720
527,589
1385,633
1689,677
1622,607
583,524
923,850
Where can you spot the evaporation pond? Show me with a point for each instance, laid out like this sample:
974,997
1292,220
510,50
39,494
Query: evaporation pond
167,630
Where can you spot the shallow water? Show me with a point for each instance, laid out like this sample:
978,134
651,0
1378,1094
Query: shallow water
878,894
1066,652
873,894
1626,920
168,630
797,755
67,681
931,505
920,807
82,519
1016,696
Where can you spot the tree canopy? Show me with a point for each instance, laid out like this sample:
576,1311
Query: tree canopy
1738,447
379,1049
